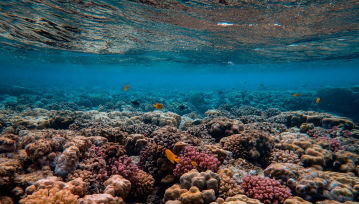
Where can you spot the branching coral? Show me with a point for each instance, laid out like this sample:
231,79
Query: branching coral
166,136
228,186
203,161
284,156
125,168
142,185
149,156
265,189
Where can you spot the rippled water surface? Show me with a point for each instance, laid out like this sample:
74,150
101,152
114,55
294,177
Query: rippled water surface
201,31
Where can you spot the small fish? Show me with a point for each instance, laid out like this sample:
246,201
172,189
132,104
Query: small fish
224,24
126,87
194,163
135,103
220,92
172,157
158,106
296,95
182,107
318,100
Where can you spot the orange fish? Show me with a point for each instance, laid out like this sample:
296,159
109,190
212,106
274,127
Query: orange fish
172,157
194,163
318,100
296,94
126,87
158,106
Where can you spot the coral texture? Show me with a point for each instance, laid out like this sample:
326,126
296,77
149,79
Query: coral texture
250,145
265,189
116,185
204,161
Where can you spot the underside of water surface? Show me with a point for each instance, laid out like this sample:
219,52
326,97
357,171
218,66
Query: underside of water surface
179,101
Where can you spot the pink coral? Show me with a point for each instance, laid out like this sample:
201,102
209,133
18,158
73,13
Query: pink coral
204,161
334,144
95,151
265,189
125,168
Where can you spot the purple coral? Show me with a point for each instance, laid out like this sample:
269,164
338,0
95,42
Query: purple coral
95,152
122,165
265,189
204,161
125,168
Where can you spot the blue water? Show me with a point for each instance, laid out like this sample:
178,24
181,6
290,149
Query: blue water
162,75
61,60
271,85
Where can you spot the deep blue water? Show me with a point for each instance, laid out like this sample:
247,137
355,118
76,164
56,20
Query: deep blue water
162,75
171,50
251,60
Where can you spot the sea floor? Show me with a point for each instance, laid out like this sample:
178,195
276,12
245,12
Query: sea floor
237,146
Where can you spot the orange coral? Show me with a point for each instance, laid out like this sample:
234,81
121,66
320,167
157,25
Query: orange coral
101,198
52,196
227,185
116,185
193,196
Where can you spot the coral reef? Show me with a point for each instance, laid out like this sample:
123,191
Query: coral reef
250,145
265,189
203,181
216,128
116,185
100,149
44,196
228,186
203,161
101,198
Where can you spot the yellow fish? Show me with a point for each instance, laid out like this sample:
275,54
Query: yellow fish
296,94
158,106
194,163
318,100
126,87
171,156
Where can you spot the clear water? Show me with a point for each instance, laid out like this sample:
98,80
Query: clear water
161,46
190,56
